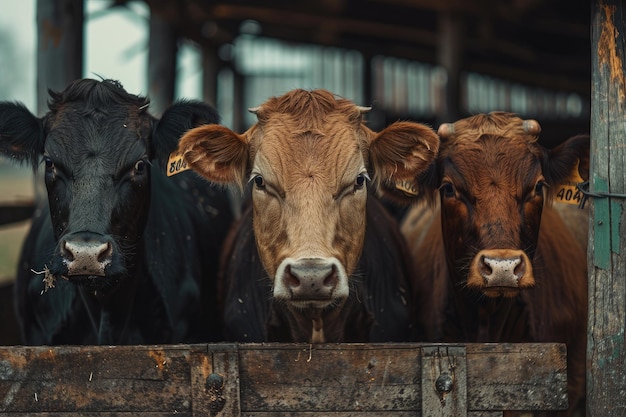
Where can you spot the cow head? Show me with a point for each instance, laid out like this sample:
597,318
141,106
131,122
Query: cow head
310,159
493,179
99,148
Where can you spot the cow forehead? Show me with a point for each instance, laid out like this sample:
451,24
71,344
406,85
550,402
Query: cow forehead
485,159
290,150
75,136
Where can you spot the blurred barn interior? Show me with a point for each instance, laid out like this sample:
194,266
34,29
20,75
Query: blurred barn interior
421,59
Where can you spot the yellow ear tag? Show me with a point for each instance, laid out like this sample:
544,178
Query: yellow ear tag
176,164
567,192
409,188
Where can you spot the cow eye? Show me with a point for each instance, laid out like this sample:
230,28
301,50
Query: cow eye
539,187
447,190
49,163
140,166
259,181
359,183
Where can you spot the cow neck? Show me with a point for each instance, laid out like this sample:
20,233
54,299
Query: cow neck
347,322
110,312
483,320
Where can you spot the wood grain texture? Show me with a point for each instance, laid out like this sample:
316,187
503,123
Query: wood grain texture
606,352
336,380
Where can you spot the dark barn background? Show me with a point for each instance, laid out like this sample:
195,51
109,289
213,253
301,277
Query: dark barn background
528,56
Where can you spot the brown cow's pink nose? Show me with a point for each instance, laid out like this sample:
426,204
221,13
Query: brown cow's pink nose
310,279
502,272
86,254
501,268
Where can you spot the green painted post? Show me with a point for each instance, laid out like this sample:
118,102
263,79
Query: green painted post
606,349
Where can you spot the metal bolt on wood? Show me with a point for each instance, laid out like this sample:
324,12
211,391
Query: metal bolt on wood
215,389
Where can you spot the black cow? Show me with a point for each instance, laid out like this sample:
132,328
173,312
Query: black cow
120,253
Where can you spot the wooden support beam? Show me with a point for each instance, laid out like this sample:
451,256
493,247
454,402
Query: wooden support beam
606,347
162,59
450,57
60,37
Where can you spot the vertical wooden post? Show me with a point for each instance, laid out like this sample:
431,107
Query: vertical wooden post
162,53
210,67
59,46
449,55
606,350
444,381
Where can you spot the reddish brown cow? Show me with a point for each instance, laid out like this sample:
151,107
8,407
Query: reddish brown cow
309,159
496,264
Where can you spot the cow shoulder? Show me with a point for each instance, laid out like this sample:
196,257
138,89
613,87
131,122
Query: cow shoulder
561,255
386,269
430,284
21,133
244,287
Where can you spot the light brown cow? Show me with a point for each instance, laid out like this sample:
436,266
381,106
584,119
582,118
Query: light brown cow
310,158
495,262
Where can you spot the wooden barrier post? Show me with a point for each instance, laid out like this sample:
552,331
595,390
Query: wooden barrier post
606,350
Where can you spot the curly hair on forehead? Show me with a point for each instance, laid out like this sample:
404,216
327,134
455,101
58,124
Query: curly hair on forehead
96,95
311,105
497,122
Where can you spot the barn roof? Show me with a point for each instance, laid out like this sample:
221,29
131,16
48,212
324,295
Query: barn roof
542,43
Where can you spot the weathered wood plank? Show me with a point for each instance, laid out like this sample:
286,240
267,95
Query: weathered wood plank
516,376
359,414
329,378
94,379
99,414
337,380
606,350
387,377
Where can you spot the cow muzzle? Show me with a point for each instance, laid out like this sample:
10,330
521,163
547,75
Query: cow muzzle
86,253
501,272
311,282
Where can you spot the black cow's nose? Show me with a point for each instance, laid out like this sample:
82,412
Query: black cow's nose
86,253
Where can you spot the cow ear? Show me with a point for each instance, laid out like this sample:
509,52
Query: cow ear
217,153
399,155
175,121
566,161
21,133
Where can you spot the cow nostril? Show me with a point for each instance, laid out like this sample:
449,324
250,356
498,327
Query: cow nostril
332,279
66,251
520,268
485,268
106,252
290,280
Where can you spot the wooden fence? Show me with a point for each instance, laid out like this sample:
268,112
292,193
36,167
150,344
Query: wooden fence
338,380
